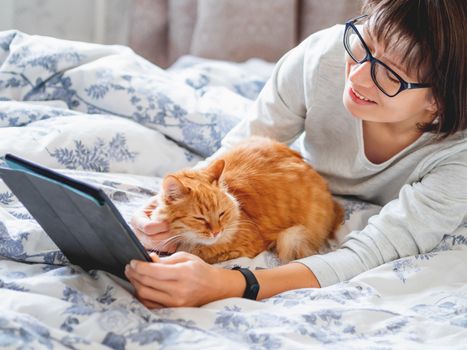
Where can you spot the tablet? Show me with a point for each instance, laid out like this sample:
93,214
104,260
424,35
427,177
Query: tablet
77,216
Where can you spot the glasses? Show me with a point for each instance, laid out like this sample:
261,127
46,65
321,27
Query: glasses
388,81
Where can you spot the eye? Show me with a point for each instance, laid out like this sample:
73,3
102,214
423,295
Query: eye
221,214
391,77
199,218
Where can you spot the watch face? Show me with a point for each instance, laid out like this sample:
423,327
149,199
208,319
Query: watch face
255,289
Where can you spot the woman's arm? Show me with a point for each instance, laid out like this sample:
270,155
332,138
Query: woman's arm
283,278
414,223
185,280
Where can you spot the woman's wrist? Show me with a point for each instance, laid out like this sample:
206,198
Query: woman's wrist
231,283
283,278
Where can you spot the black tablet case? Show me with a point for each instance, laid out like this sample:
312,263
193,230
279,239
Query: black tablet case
77,216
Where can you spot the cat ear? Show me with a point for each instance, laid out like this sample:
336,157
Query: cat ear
215,170
173,188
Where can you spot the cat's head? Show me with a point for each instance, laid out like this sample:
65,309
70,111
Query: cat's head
197,206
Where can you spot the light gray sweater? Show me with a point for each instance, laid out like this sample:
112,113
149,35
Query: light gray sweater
423,188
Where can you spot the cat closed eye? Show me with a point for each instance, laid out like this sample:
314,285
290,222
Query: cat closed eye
199,218
221,214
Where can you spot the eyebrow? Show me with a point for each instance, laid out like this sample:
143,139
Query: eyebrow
385,58
401,70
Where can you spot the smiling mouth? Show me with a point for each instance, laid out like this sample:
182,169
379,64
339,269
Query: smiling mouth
361,97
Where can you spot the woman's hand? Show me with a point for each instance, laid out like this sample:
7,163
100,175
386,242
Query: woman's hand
181,279
153,234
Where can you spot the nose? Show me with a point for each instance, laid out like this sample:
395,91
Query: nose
215,226
360,74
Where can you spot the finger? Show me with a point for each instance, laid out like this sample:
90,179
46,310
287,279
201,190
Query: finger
168,245
151,203
156,244
151,304
147,226
178,257
155,239
154,257
148,294
162,242
152,227
139,281
142,292
153,274
149,207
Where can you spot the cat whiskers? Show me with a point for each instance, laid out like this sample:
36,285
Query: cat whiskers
194,238
245,222
165,243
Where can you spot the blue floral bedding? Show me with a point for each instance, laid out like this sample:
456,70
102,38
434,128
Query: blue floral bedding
105,115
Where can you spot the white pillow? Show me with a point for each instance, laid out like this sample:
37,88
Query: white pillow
100,143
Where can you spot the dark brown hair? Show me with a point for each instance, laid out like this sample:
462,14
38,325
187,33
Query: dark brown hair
433,35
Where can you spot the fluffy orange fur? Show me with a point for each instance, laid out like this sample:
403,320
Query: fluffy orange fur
260,195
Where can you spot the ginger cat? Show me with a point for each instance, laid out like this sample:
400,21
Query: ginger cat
260,195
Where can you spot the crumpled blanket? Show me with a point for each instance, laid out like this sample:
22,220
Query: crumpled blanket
105,115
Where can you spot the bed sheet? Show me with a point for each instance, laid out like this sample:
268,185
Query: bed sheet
107,116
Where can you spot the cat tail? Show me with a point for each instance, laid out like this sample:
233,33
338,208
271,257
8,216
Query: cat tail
338,218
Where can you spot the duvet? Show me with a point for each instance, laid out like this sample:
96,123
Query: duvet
105,115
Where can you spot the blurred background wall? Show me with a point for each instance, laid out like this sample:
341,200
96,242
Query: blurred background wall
163,30
100,21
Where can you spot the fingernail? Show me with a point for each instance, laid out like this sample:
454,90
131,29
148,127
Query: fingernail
133,264
127,267
154,257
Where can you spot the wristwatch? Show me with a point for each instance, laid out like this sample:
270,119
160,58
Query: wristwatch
252,285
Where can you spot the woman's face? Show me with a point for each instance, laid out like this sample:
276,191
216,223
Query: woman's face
364,100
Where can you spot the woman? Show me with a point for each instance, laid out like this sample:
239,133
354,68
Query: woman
398,140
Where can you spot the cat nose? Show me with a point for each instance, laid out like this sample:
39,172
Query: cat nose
215,233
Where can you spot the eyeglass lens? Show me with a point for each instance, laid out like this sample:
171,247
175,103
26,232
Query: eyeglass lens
383,77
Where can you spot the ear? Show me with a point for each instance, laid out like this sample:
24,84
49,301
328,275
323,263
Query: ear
432,105
214,170
173,188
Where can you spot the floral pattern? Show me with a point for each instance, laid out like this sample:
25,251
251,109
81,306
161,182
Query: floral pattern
46,70
85,109
95,158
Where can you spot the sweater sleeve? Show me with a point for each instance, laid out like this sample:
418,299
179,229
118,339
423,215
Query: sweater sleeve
414,223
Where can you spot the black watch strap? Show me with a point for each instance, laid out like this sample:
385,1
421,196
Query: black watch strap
252,285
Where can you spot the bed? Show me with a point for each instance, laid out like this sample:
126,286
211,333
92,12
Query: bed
107,116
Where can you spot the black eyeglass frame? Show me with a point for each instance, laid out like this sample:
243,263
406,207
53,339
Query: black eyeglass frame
404,85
